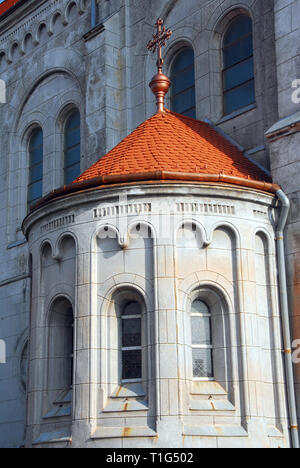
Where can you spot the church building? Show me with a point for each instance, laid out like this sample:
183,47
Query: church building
150,233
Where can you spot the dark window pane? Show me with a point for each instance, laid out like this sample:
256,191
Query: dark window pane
202,363
238,65
71,173
131,364
132,308
238,74
240,27
131,332
239,97
184,101
190,113
36,173
183,84
72,138
238,52
73,121
35,191
72,156
35,176
36,156
72,148
36,138
183,60
183,80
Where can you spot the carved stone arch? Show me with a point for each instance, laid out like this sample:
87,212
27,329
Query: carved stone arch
46,243
23,43
54,294
172,49
118,286
195,225
10,56
82,5
137,225
68,9
21,350
210,279
57,14
168,8
3,60
58,254
229,227
218,24
37,32
108,230
25,130
31,83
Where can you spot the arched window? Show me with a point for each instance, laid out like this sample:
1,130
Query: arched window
61,345
238,71
72,148
131,342
35,179
183,99
60,359
201,341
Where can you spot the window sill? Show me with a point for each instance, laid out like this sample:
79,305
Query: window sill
122,432
125,405
207,388
211,405
53,437
236,113
129,390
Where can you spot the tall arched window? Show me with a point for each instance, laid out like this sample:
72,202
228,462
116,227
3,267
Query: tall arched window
72,148
131,342
35,179
60,359
238,71
183,99
201,341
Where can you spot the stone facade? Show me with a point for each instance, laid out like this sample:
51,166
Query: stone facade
52,62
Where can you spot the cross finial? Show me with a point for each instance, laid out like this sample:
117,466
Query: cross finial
160,83
159,40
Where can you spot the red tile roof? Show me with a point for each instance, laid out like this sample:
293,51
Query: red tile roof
6,5
170,142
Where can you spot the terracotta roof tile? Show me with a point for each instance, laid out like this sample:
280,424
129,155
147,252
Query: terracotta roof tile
172,142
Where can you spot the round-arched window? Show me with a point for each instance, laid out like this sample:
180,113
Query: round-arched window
72,148
183,99
238,65
35,179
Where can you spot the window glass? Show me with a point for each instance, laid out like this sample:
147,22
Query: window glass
72,148
35,176
201,340
238,71
183,99
131,341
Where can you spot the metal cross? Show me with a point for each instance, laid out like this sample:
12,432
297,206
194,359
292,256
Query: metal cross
158,41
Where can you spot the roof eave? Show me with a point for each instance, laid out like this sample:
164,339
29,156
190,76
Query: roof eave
155,176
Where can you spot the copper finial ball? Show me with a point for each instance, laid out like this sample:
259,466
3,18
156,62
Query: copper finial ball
160,83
